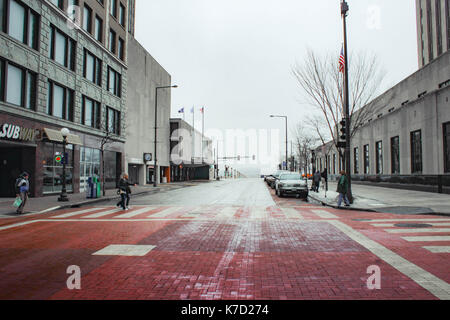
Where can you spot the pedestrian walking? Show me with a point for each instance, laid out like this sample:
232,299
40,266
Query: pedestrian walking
316,178
324,179
342,189
124,191
22,188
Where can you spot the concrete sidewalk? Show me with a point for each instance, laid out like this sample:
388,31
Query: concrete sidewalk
50,203
388,200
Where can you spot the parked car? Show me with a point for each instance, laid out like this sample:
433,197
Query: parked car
272,181
293,184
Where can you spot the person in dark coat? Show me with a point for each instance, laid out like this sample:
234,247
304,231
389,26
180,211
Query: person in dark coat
316,179
324,179
342,189
125,191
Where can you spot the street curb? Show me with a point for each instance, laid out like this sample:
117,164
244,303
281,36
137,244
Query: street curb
341,208
370,210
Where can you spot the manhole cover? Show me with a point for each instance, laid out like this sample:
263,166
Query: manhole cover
413,225
362,220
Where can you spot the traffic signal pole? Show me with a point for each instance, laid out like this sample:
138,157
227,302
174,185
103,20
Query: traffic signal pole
344,11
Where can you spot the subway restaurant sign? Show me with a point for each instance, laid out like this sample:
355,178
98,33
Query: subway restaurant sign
14,132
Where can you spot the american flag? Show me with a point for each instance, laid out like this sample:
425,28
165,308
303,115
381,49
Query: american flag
342,61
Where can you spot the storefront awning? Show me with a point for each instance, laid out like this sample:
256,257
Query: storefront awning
56,136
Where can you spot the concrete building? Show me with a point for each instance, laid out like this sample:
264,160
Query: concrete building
191,155
63,63
433,29
407,139
140,124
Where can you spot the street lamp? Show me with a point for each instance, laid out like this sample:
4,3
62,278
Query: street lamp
63,197
156,131
286,118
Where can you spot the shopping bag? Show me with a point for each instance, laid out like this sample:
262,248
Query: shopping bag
17,202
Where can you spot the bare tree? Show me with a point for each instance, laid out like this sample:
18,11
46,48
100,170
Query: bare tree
319,77
304,141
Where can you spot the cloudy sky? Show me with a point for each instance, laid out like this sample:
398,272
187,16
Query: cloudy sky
235,57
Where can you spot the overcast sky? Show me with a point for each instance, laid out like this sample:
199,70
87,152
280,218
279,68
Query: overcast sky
235,57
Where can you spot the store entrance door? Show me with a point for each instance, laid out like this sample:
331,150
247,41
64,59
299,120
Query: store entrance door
133,174
11,166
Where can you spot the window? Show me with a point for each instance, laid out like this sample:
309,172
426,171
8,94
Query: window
430,31
91,113
89,165
131,11
416,151
438,27
87,19
113,8
60,101
18,85
20,22
58,3
122,15
62,48
98,29
356,160
334,163
379,157
446,147
113,121
52,180
395,155
366,159
92,68
121,49
114,82
112,41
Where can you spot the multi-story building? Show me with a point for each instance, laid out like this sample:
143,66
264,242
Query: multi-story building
433,29
191,153
63,64
406,138
148,74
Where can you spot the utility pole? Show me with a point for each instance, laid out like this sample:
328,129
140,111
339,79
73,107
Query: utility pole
344,13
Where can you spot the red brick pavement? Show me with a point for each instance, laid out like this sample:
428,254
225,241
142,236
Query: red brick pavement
274,258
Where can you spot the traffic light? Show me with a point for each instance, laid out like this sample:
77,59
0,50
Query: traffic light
343,130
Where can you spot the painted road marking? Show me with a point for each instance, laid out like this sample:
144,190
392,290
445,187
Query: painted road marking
227,213
428,281
438,249
135,213
417,219
102,214
292,213
75,213
324,214
427,238
125,250
165,212
418,230
17,225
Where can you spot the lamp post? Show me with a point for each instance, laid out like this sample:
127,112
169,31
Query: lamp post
286,118
155,183
63,197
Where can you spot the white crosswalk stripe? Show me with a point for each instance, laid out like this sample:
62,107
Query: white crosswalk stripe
227,213
75,213
292,213
438,249
324,214
135,213
427,238
165,212
433,224
102,214
258,213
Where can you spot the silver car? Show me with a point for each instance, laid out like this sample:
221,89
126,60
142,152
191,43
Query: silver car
293,184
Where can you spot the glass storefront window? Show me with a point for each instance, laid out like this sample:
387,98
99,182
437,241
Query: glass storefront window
89,165
53,171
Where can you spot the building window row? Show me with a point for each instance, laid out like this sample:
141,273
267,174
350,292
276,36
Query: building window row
62,48
92,68
17,85
20,22
114,84
60,101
